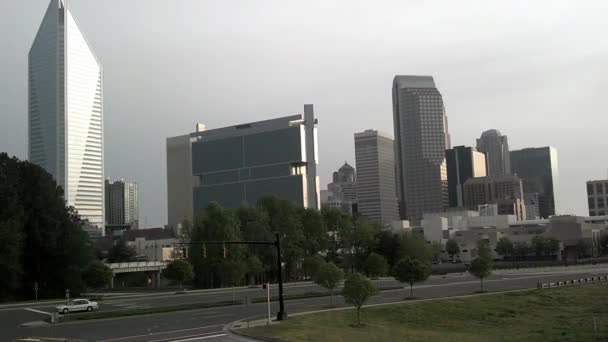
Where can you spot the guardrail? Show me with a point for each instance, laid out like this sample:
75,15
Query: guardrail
571,282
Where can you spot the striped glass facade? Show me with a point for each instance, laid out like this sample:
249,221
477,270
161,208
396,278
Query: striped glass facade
65,112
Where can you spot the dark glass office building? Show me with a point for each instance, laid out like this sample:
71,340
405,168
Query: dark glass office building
242,163
538,169
462,163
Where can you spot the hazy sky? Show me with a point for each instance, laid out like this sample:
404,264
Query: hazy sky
535,70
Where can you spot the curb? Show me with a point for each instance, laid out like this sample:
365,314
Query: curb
229,328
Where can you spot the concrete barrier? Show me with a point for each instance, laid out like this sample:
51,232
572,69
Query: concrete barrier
541,285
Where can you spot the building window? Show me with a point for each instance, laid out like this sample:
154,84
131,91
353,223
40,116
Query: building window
589,189
591,203
601,213
599,187
600,203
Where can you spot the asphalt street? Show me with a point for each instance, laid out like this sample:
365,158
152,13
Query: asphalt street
208,324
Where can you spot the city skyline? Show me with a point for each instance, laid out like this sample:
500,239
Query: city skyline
170,114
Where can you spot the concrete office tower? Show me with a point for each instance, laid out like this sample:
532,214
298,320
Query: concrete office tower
496,148
376,176
506,192
122,204
242,163
342,191
538,169
65,112
462,163
597,195
421,138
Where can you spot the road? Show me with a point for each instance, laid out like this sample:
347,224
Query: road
207,324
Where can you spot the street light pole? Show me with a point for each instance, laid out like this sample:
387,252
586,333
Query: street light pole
282,314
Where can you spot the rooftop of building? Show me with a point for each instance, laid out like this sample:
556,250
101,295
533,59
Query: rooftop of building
411,81
148,234
373,133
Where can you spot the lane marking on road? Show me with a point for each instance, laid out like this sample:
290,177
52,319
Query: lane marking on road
200,338
39,311
161,333
214,316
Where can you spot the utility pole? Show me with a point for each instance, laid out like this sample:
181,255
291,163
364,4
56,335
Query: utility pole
282,314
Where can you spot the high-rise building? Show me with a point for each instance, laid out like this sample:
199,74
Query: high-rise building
122,204
65,119
538,169
462,163
496,148
597,195
375,162
421,138
505,192
342,191
242,163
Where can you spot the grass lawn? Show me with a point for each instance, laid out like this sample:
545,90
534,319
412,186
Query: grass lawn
564,314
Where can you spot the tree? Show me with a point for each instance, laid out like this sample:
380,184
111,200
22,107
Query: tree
581,248
254,268
179,271
329,276
452,248
484,250
375,265
97,275
481,268
120,252
388,244
311,265
521,249
409,270
414,246
314,230
538,245
504,247
551,246
41,239
436,248
357,290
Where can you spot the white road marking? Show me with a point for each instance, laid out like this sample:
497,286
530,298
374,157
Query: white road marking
214,316
161,333
39,311
200,338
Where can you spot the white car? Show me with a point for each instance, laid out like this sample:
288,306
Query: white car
77,305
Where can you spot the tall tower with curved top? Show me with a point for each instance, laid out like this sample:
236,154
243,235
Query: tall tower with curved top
65,114
421,138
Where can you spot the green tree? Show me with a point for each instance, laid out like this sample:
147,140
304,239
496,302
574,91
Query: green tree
97,275
311,264
253,268
41,240
436,249
314,231
232,272
329,276
551,246
452,248
484,250
504,247
388,244
179,271
120,252
521,249
357,290
538,245
581,248
375,265
339,226
215,223
409,270
414,246
481,268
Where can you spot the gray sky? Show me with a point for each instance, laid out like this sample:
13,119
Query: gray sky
535,70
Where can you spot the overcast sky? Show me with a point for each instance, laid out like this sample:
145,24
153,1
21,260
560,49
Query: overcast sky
535,70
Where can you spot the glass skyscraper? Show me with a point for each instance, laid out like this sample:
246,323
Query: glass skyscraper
243,163
65,115
421,138
538,170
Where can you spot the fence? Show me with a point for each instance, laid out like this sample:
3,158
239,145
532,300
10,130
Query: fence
572,282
